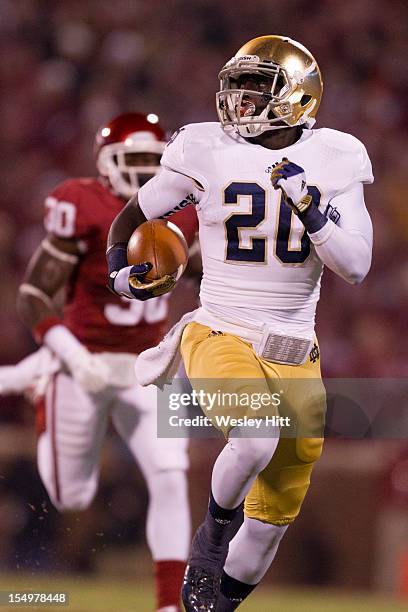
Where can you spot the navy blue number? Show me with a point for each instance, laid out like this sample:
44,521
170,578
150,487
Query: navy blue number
283,234
245,220
257,252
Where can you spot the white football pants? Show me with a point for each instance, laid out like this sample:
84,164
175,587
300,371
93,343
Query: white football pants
70,446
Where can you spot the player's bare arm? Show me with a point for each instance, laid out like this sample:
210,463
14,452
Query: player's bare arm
38,304
126,222
48,271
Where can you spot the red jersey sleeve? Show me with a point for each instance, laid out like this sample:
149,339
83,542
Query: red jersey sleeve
67,212
186,220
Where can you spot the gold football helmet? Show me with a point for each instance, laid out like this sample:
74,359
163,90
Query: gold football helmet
288,87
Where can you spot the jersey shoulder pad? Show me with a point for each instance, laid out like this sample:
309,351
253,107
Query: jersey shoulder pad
349,153
204,131
339,140
75,188
188,147
196,133
67,208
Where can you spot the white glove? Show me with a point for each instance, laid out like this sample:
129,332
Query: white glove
88,369
291,179
130,282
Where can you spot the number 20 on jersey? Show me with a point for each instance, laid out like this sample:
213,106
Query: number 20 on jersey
256,253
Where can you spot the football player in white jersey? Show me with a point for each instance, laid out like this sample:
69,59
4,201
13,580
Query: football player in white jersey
276,202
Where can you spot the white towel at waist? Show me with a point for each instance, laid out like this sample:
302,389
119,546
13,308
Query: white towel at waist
158,365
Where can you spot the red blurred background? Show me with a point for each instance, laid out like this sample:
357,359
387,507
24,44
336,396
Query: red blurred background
67,67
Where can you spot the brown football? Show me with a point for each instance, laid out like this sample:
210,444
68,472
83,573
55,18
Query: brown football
162,244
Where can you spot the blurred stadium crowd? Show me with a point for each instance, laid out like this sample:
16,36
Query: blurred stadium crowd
66,67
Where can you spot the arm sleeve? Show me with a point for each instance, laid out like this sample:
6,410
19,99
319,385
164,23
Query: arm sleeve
166,193
364,171
346,248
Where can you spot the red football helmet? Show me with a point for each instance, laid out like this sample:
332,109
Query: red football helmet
128,151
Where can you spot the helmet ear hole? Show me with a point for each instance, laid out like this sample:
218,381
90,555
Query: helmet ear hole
305,99
115,159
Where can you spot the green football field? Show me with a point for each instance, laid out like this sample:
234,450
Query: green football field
120,596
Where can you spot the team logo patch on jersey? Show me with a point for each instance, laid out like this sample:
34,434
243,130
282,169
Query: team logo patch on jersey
332,213
314,353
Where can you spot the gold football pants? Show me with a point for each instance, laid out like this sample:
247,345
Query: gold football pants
215,360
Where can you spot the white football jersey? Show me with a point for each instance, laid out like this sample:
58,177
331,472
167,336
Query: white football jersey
259,264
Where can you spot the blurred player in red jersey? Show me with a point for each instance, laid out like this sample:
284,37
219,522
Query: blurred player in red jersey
92,348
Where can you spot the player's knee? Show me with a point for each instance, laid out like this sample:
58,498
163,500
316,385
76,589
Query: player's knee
309,450
255,453
283,511
280,501
288,504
